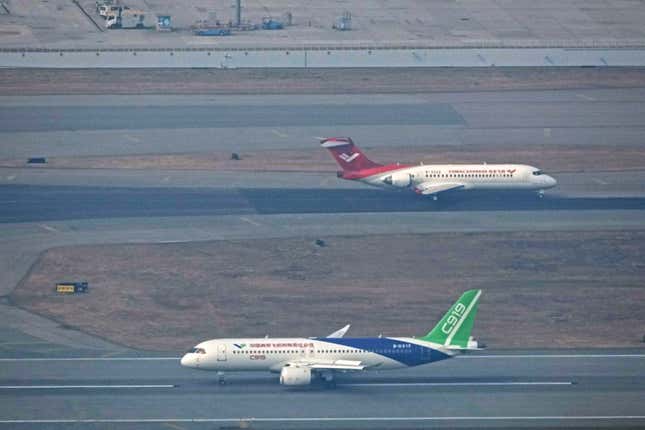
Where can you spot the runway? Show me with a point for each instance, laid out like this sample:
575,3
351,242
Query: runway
509,388
34,204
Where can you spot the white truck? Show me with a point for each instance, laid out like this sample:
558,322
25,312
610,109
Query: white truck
126,18
106,8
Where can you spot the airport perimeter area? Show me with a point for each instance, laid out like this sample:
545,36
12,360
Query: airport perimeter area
182,178
401,33
167,229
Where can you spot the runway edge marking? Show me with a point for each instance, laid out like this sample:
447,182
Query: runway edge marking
64,387
322,419
460,358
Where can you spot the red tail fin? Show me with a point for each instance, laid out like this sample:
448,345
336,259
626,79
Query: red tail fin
348,156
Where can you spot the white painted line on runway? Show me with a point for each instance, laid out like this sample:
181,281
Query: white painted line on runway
67,387
48,228
324,419
586,97
11,177
132,138
456,384
250,221
94,359
599,181
555,356
277,133
460,357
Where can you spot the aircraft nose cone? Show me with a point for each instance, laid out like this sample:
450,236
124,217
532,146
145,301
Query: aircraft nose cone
187,361
551,182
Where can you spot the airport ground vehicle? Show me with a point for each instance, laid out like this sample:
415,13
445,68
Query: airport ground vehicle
126,18
213,31
271,24
71,287
107,8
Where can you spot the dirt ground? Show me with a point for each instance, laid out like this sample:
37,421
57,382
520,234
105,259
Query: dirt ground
547,289
311,81
551,158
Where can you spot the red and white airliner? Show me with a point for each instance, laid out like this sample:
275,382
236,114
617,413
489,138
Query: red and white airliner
432,179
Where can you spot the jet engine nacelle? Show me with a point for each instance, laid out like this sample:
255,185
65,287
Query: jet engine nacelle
400,180
294,375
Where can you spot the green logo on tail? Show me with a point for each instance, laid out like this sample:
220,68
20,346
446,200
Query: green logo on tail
455,326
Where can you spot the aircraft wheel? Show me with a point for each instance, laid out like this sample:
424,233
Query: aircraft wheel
330,384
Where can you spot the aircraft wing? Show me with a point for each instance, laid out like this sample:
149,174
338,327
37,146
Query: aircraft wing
430,188
339,333
330,364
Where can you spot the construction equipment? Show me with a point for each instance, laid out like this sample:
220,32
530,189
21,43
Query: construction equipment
163,23
269,23
126,18
343,22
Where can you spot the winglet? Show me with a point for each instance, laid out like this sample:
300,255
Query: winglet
339,333
453,331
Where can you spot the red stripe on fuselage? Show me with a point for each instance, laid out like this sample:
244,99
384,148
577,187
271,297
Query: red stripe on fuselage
364,173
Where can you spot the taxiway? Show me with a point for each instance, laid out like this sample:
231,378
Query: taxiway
496,389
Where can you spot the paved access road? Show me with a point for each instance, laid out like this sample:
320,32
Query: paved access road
118,125
511,388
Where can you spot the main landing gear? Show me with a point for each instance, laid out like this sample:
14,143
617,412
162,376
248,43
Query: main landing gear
328,380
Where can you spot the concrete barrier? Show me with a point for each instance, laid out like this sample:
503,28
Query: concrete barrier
321,57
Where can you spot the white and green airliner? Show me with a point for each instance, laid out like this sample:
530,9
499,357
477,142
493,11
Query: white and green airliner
299,361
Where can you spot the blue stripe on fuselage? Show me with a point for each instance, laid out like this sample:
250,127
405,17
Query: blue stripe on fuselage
407,353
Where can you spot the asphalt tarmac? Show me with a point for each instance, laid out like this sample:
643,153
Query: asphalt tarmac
496,389
17,119
35,204
117,125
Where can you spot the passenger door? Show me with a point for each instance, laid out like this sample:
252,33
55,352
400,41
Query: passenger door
221,352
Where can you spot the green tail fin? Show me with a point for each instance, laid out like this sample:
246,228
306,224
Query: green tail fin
455,326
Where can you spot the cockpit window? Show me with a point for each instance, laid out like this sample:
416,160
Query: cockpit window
538,173
197,351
